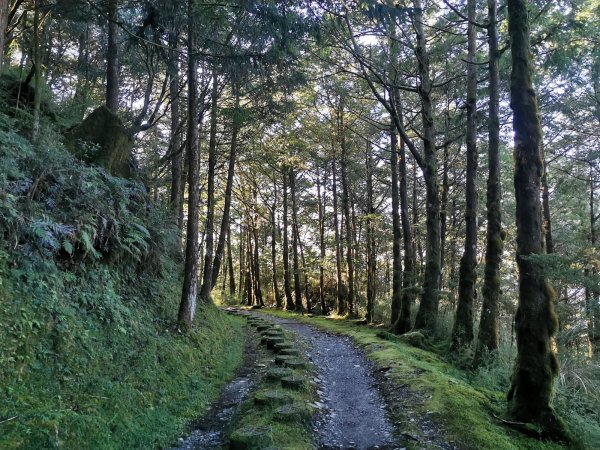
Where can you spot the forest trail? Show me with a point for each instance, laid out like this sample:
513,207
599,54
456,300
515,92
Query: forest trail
354,414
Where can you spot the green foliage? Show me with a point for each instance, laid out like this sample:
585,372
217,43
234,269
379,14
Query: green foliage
90,279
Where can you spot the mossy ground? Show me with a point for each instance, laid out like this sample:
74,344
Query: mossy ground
441,391
286,435
90,384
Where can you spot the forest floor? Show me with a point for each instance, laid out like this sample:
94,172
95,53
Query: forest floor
369,392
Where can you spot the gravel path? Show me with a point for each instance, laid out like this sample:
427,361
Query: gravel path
354,414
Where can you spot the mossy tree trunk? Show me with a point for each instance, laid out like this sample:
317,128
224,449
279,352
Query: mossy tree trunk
255,254
112,58
187,306
428,308
287,288
488,326
536,365
462,333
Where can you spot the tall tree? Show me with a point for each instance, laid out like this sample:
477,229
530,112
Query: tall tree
207,278
287,288
488,326
536,366
295,241
462,333
187,306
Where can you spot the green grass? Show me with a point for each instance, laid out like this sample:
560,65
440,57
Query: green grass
465,412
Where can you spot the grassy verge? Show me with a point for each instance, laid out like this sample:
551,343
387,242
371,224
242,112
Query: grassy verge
439,391
70,379
293,434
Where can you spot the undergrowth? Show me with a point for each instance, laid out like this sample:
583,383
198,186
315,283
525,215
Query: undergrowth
90,279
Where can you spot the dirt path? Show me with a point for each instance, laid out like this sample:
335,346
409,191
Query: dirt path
354,414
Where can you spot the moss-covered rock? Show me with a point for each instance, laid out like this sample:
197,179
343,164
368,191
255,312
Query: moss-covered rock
293,382
103,140
277,373
251,438
271,398
292,413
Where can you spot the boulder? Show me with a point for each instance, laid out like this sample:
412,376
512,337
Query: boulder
103,140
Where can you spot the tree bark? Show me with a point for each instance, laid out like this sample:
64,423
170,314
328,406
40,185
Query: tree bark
3,25
396,233
228,189
462,333
276,293
340,288
296,267
37,74
321,203
409,276
548,241
346,210
112,58
207,275
187,306
428,309
230,263
488,338
289,300
176,201
256,264
370,237
536,366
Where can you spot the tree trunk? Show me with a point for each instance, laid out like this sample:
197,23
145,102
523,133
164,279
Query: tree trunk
242,252
396,232
112,58
346,210
340,288
187,307
276,293
289,300
488,325
427,315
321,204
409,277
37,74
256,274
297,285
536,365
309,306
230,263
176,202
3,25
549,242
210,195
593,293
370,237
462,333
228,189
